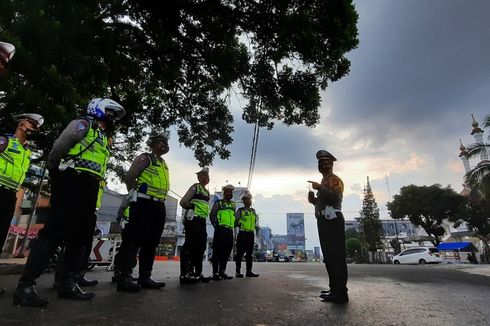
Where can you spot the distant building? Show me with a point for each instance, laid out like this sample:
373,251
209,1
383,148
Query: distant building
390,227
317,252
265,239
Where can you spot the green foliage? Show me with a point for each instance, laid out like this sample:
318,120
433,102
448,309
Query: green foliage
353,248
476,218
426,206
395,244
369,219
175,63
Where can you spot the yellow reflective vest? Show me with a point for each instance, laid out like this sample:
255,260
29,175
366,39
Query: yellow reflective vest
91,154
226,214
247,220
201,201
154,180
14,163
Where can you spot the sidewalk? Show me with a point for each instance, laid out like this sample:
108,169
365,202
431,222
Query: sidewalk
9,266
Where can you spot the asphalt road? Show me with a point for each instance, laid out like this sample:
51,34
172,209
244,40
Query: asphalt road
284,294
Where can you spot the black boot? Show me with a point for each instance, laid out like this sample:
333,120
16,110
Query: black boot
2,290
69,289
251,274
204,279
27,296
225,276
186,279
83,281
147,283
125,284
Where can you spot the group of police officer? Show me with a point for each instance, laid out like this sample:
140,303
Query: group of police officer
77,166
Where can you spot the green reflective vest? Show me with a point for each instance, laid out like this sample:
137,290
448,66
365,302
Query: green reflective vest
247,220
14,163
226,214
94,149
154,180
201,201
102,185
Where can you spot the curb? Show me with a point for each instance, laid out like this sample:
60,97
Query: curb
11,269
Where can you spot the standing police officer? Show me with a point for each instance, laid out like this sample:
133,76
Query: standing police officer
331,227
14,155
222,217
247,222
148,183
77,163
196,204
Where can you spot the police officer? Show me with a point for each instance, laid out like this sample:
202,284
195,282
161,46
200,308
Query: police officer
7,51
77,162
196,204
148,183
247,222
331,227
222,217
14,163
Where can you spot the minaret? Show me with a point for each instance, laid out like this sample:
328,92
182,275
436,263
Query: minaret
478,134
464,157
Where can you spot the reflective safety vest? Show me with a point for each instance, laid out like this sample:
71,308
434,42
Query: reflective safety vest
201,201
91,154
126,213
154,180
226,214
247,220
14,163
102,185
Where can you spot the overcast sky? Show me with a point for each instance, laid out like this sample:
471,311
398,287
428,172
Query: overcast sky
421,69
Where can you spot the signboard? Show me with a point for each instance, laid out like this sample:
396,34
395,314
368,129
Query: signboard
296,231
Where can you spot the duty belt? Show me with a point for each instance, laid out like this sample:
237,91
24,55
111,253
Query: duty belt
140,195
7,188
226,226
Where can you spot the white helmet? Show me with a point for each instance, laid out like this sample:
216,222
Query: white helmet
7,52
97,108
157,136
34,118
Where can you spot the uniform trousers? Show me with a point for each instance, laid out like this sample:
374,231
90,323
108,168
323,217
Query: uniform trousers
7,208
194,246
222,246
143,233
70,222
244,245
332,241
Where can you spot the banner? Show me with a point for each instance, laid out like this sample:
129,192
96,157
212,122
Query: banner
296,231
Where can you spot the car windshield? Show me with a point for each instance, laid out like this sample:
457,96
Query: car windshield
433,250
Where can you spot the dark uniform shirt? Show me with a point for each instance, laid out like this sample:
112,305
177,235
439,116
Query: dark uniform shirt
330,194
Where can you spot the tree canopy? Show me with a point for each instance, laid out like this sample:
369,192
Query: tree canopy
369,220
477,219
175,63
426,206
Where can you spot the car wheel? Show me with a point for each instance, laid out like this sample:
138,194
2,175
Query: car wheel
422,262
396,262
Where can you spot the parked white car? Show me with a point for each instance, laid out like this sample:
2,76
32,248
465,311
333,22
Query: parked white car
418,255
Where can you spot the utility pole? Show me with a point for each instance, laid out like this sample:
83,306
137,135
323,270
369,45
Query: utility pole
389,198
